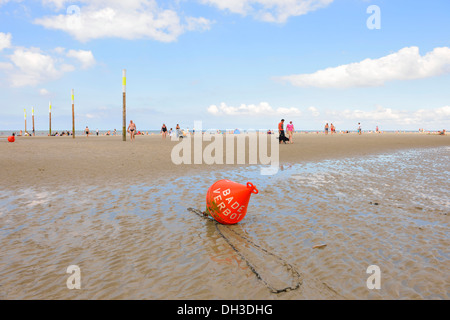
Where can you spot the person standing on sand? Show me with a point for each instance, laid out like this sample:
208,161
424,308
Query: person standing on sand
332,128
86,131
326,128
164,131
359,128
132,129
177,131
290,131
281,131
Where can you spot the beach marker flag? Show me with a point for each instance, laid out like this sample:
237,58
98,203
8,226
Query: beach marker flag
32,116
124,92
227,201
50,118
73,113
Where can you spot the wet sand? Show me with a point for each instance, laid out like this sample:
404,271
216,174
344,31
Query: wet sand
62,161
120,212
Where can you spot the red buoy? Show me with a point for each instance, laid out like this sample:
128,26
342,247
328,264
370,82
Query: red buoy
11,139
227,201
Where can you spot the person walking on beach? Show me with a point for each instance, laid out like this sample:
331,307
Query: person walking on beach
290,131
332,128
359,128
86,131
326,128
132,129
281,132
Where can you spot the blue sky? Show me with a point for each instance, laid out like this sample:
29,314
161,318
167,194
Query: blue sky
231,64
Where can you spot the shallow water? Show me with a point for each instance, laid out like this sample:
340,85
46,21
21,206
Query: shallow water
388,210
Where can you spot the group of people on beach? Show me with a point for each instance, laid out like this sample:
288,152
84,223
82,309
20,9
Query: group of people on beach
177,133
180,134
290,132
330,128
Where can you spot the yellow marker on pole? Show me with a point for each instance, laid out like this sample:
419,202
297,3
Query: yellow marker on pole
32,115
124,90
73,114
50,117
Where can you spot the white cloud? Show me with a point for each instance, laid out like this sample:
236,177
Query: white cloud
6,66
5,40
136,19
59,50
33,67
314,111
57,4
380,113
85,57
406,64
263,109
213,109
278,11
398,117
433,115
44,92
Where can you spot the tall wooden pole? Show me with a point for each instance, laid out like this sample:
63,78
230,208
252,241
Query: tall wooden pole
50,118
73,114
124,91
32,116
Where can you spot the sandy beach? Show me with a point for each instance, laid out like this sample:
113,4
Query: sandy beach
63,161
120,211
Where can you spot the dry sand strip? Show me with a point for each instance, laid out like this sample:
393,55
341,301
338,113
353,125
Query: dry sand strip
63,161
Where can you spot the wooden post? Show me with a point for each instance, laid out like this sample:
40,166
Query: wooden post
50,118
73,114
124,91
32,116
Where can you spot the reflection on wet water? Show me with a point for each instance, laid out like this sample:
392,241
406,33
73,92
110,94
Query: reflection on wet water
141,242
